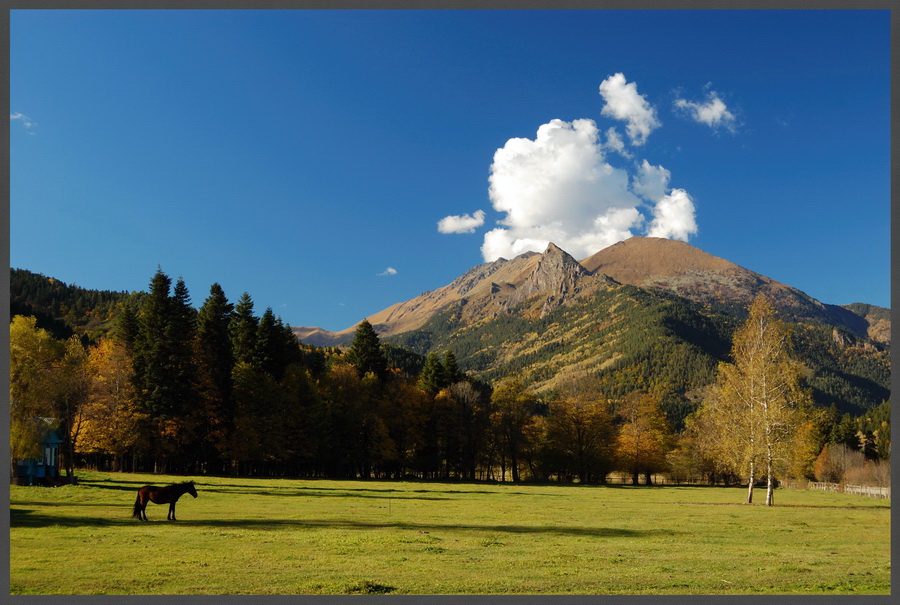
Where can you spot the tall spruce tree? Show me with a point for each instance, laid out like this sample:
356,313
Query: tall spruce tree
182,327
154,374
243,330
214,371
265,352
365,351
451,368
434,375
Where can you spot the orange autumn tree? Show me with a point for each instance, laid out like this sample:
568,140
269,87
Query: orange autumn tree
644,436
110,420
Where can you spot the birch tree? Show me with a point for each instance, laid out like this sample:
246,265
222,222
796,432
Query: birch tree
756,408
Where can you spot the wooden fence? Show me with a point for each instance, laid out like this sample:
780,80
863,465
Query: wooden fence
860,490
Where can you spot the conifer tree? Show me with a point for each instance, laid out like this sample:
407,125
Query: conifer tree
365,352
451,368
434,375
265,352
182,328
243,329
153,351
215,362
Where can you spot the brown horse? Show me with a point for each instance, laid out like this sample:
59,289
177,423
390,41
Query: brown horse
161,495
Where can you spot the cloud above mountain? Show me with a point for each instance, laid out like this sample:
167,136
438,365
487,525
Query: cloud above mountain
558,188
561,187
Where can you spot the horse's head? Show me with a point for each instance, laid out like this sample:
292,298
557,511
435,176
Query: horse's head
191,489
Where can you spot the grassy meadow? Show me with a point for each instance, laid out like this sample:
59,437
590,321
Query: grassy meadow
284,536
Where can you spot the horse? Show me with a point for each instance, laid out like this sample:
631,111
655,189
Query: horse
161,495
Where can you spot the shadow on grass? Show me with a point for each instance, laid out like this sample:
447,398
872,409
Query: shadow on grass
294,490
306,491
311,493
28,518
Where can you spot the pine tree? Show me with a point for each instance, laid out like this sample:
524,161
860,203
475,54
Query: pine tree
215,362
434,375
451,368
365,351
182,327
265,352
243,330
153,351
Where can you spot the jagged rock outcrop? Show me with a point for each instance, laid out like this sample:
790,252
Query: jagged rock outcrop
557,276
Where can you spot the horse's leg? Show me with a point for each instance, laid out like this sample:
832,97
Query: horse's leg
172,511
143,513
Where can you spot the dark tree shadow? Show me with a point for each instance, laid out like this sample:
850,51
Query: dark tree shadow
23,517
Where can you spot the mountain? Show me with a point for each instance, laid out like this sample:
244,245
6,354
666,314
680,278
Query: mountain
646,313
646,262
682,269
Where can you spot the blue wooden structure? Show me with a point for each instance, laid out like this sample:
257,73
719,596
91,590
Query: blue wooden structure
31,471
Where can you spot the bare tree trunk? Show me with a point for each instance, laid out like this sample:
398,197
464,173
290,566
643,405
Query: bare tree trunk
770,483
750,486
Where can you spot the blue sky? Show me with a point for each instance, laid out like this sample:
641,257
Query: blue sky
307,157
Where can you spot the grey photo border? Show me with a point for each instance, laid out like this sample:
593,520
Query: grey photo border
12,5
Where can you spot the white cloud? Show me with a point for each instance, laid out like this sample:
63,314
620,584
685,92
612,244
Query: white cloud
624,103
559,188
673,216
27,122
388,271
465,223
650,182
673,211
713,112
615,143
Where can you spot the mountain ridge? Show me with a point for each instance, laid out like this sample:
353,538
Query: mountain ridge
645,262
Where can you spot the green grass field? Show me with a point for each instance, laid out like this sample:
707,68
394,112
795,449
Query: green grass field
280,536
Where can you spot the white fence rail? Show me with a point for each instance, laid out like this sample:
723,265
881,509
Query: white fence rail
860,490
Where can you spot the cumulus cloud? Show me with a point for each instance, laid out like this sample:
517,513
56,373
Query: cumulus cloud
615,143
557,188
623,102
673,216
714,113
387,272
673,210
650,182
560,188
27,122
465,223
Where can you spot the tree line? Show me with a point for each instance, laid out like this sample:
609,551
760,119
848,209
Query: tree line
223,390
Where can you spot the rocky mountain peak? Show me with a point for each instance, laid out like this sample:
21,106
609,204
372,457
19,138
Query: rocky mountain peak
557,275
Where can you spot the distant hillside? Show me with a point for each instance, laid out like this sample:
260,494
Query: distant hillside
63,309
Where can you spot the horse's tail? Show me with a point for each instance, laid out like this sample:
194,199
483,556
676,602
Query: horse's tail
136,513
